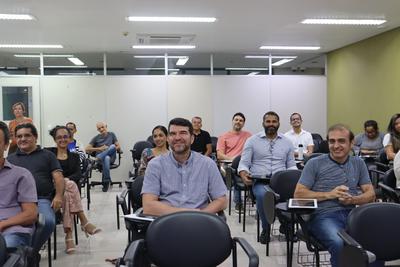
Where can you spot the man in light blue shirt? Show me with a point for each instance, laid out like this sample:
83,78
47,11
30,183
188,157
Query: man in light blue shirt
265,153
182,179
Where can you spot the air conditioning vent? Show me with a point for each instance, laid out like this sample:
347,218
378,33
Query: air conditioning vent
164,39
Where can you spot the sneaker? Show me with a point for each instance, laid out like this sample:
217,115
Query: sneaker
238,207
263,237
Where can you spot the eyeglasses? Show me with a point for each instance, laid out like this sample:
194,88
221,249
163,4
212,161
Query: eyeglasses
59,137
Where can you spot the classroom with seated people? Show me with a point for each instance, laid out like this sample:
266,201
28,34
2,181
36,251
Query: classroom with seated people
212,133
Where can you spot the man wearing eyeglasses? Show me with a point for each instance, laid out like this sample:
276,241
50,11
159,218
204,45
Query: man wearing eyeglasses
105,146
298,136
47,172
264,154
339,182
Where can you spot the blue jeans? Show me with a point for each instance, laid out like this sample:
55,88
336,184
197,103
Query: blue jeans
45,208
107,157
14,240
259,190
325,227
237,197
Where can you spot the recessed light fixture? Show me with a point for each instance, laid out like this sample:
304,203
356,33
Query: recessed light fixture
250,69
254,73
283,47
156,69
29,46
344,21
16,17
77,73
64,67
171,19
158,56
282,61
264,57
76,61
163,46
35,55
182,61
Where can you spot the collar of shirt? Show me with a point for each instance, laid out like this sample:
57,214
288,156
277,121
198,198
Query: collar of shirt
338,163
264,136
22,153
176,163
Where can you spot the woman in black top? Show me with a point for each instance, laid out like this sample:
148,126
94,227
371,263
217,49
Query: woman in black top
72,205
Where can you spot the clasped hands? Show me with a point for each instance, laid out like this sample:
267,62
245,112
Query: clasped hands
341,192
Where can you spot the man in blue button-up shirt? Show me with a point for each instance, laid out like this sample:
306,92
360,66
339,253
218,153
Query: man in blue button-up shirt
182,179
265,153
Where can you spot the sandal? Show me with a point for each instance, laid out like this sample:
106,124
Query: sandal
90,229
69,246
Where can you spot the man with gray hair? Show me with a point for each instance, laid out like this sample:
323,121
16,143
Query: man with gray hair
339,182
105,145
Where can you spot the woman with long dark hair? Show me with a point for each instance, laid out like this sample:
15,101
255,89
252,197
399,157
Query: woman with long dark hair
391,141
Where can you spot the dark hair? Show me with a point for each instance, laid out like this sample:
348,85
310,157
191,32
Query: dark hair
163,129
28,126
295,113
66,125
340,127
270,113
394,135
6,132
53,132
240,114
18,104
181,122
371,123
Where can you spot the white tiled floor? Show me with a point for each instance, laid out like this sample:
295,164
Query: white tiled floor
110,243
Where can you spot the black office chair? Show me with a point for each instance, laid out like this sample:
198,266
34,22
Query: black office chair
39,226
182,239
388,186
214,141
136,151
151,140
323,147
281,189
317,139
7,258
99,168
381,243
86,168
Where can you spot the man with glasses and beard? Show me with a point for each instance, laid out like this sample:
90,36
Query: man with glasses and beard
265,153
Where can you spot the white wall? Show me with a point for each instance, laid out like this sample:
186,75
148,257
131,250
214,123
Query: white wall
133,105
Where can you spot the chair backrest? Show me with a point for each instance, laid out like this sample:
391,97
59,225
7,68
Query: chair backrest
194,239
313,155
317,137
151,140
214,141
39,227
3,250
235,162
138,148
284,183
375,227
135,193
389,179
323,147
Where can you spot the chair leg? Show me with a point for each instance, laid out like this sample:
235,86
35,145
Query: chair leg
240,208
48,252
268,235
88,194
55,243
258,227
244,210
230,200
117,206
76,229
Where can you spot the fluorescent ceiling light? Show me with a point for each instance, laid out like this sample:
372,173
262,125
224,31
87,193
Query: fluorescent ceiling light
76,73
163,46
64,67
35,55
16,17
171,19
156,69
157,56
260,56
76,61
182,61
253,73
282,47
173,73
345,21
282,61
29,46
251,69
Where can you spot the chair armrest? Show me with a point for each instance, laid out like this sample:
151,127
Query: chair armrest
121,200
277,196
221,214
249,250
134,253
387,188
12,260
347,239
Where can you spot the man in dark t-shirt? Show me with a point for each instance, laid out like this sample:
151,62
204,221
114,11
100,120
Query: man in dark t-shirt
46,171
105,145
202,139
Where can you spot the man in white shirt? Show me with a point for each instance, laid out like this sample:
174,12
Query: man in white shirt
299,136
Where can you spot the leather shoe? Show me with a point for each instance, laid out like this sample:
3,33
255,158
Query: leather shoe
263,237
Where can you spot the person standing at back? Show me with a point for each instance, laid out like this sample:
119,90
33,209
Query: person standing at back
19,112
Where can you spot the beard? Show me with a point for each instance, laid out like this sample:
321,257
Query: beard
270,130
